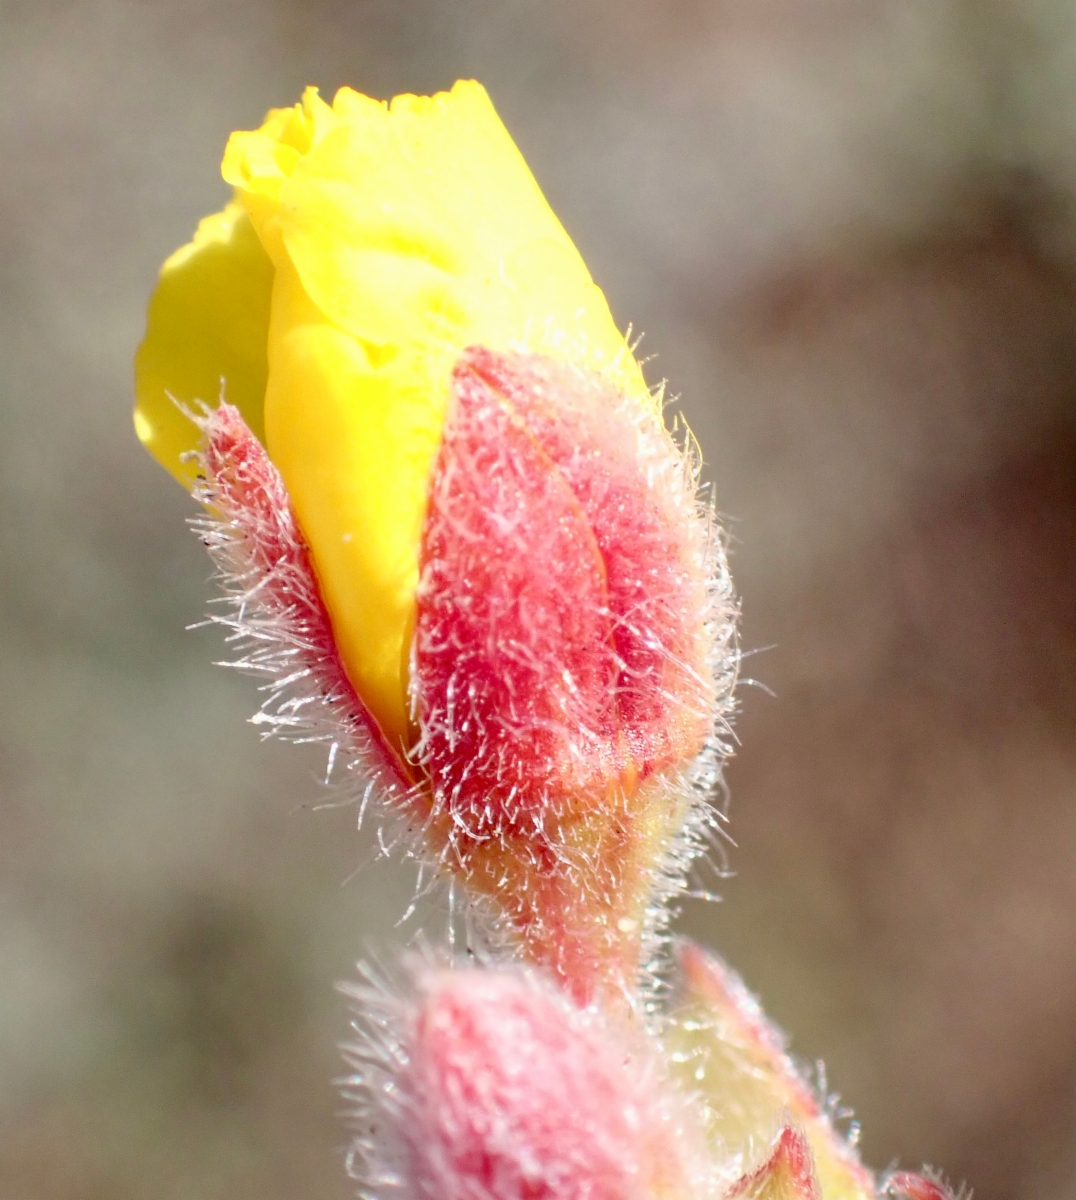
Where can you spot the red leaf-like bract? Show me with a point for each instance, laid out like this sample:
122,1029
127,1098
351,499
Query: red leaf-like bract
560,654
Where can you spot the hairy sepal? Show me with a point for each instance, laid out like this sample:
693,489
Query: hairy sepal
274,611
724,1047
573,657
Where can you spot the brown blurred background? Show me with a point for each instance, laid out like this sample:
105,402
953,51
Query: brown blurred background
848,230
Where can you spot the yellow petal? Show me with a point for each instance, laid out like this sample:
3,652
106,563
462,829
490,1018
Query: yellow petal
355,444
206,331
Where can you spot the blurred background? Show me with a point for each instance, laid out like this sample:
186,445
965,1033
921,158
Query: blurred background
847,229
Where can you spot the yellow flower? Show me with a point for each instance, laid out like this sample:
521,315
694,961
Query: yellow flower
369,244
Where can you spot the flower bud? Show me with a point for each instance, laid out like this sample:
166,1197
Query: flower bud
520,588
490,1086
736,1060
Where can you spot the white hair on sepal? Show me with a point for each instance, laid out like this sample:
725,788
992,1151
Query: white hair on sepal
275,622
700,841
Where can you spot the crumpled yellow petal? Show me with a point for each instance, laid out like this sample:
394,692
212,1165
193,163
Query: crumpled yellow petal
401,234
206,329
420,222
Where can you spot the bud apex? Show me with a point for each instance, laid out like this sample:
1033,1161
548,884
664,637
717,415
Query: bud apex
788,1173
918,1187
